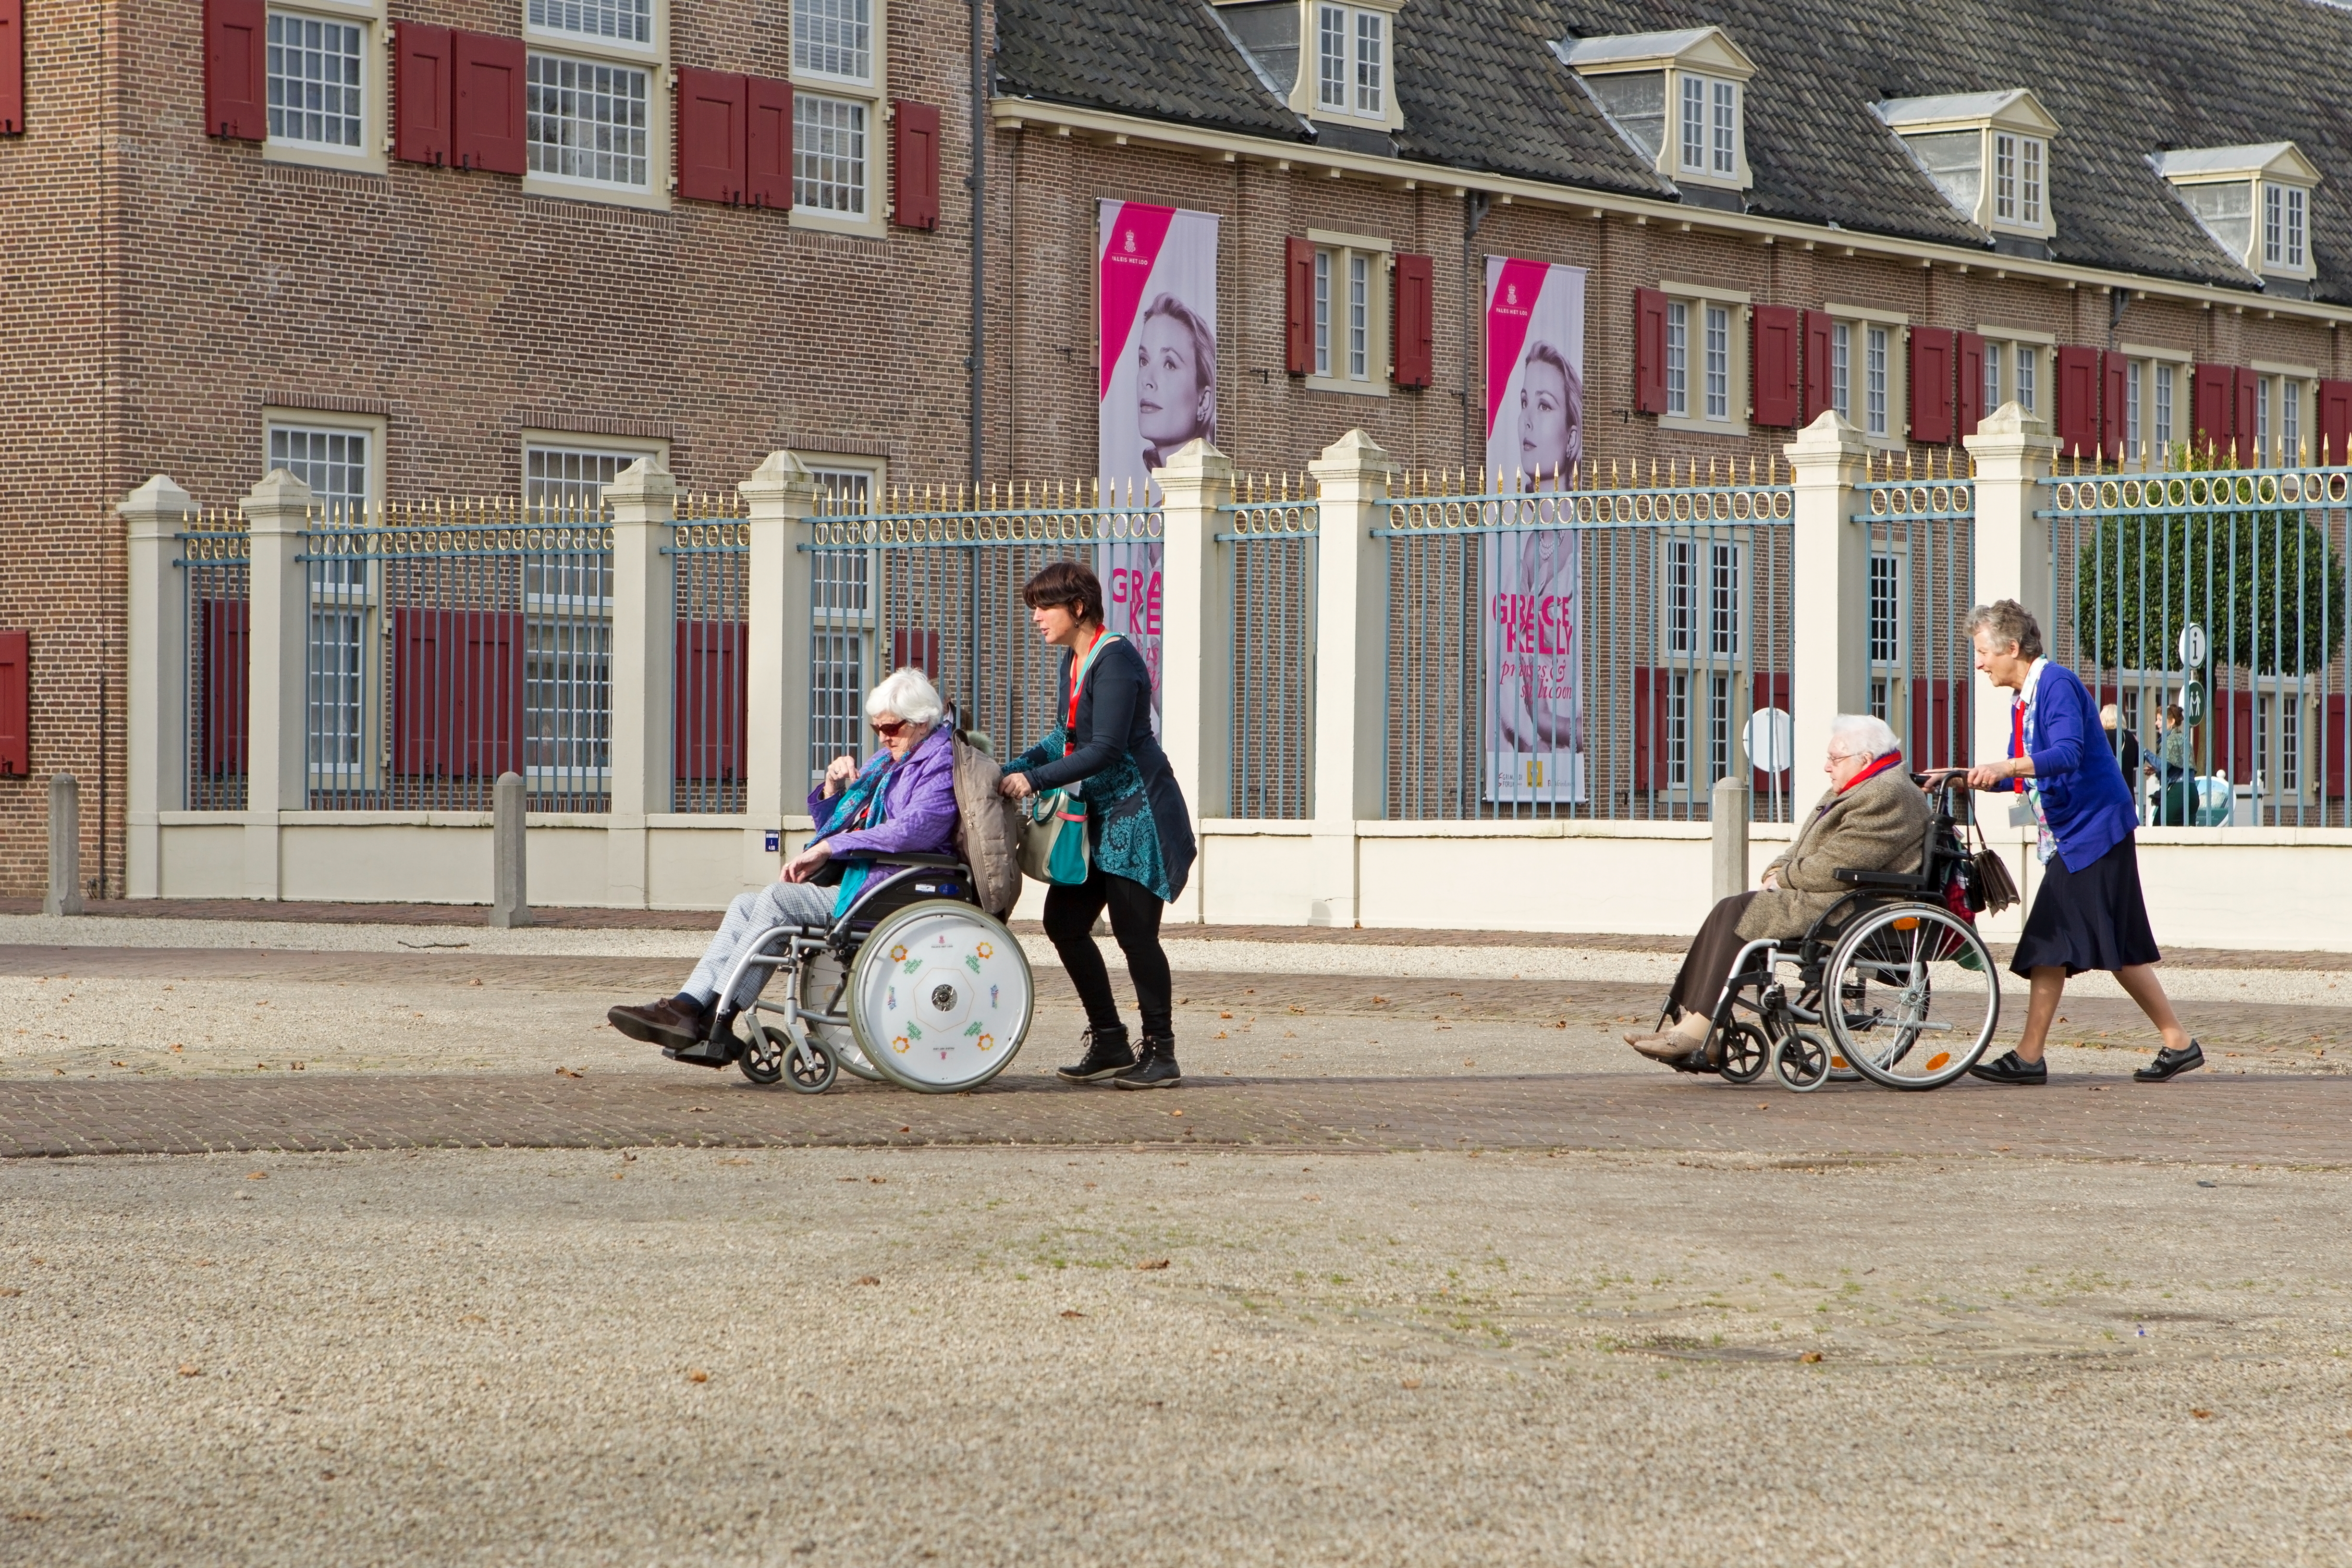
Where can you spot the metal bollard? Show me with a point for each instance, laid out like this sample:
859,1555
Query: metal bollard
64,847
1728,808
511,899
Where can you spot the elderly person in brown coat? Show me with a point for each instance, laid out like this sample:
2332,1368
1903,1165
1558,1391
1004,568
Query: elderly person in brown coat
1871,818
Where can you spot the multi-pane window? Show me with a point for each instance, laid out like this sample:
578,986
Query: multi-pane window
2017,179
314,80
2290,762
333,705
843,623
333,463
1351,61
2290,420
1359,317
1677,357
1709,136
2285,219
2133,371
1992,376
584,120
1841,369
1322,312
1678,706
566,485
1694,122
623,21
1722,143
1718,363
2029,180
2164,381
1346,323
1874,379
1718,728
567,694
834,38
829,154
2028,363
2263,385
2004,179
1886,629
1702,618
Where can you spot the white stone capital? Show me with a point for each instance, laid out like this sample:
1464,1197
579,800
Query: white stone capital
1196,474
780,487
643,492
280,503
155,509
2010,444
1352,470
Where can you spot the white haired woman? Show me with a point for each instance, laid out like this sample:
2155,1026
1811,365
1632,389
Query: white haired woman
1871,819
903,799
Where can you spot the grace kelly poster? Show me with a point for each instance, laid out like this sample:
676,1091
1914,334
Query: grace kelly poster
1156,300
1533,575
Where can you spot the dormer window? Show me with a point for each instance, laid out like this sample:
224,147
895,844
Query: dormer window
2254,202
1678,97
1351,61
1335,61
1988,154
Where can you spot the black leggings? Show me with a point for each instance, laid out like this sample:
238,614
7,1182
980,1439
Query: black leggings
1135,909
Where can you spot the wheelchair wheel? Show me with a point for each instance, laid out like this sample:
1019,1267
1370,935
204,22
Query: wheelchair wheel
763,1060
1803,1062
1746,1053
814,1075
1912,996
940,996
820,978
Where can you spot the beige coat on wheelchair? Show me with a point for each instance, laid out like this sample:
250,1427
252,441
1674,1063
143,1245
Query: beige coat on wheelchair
1878,824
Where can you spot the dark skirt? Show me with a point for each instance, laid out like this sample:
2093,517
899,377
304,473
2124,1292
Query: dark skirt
1707,964
2090,919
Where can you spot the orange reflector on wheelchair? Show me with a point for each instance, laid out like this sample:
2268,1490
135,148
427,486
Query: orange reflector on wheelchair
1938,1059
1909,922
1838,1063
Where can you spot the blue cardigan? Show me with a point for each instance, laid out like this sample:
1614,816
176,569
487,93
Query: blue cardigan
2083,795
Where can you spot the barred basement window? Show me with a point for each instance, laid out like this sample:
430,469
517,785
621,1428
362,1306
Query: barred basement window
314,81
625,21
829,154
834,38
584,121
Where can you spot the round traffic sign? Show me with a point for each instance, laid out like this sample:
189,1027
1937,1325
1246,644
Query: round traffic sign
2192,646
2192,702
1771,740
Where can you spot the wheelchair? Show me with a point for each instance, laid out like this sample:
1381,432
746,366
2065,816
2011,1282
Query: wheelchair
913,984
1892,983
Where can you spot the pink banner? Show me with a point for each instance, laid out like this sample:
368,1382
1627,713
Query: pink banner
1510,306
1128,254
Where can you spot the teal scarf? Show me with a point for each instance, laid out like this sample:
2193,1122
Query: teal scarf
863,806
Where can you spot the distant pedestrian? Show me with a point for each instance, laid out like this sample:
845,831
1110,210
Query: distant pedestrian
2123,744
2088,911
2176,773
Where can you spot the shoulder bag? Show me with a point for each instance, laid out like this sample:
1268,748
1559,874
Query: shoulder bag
1053,821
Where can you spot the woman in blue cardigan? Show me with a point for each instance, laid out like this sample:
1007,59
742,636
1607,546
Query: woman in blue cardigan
2088,912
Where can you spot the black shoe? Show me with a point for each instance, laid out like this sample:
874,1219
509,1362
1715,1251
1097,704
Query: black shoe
1158,1068
2170,1063
1108,1054
2011,1068
669,1022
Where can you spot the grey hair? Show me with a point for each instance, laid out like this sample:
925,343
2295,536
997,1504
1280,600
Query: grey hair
1862,735
2008,622
910,694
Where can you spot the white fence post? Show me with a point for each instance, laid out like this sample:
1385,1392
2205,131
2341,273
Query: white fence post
276,511
1828,669
2014,452
1196,644
1350,760
157,720
643,499
781,496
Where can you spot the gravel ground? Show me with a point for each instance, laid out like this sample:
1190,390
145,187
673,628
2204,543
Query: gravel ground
1004,1357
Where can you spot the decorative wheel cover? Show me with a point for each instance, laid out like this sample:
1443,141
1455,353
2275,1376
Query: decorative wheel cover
941,997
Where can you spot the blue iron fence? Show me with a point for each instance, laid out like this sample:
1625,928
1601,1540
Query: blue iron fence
1273,539
710,607
215,601
1920,580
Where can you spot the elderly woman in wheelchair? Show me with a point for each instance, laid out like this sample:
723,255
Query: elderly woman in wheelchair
882,861
1871,909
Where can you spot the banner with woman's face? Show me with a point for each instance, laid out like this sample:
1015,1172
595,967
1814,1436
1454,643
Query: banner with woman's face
1533,575
1156,304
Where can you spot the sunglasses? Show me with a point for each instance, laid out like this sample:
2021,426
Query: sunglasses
890,732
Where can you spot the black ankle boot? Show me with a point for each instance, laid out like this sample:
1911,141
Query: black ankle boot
1158,1068
1106,1055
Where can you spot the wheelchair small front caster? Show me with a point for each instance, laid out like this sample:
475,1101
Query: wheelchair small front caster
1803,1062
1746,1052
763,1060
812,1074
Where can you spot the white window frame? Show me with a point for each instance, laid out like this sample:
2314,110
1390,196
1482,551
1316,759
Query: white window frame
1713,633
842,631
590,49
2275,383
874,39
1356,85
2135,405
1841,369
869,154
355,594
1892,431
1889,560
1698,410
1338,258
869,94
2158,376
369,157
1706,143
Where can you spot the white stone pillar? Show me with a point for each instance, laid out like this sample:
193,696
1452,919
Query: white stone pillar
157,712
1350,757
781,495
1827,669
2014,452
277,512
1196,644
644,502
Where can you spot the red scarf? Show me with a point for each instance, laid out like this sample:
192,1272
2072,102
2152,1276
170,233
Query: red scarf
1890,760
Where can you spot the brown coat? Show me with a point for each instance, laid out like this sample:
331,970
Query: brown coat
1879,824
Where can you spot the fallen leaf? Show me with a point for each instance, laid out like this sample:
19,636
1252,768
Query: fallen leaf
906,1130
1150,1263
17,1290
473,1318
26,1516
117,1064
476,980
1468,1063
1175,1114
257,1175
868,1279
294,1067
190,1368
1809,1357
1072,1312
734,1160
701,1107
177,1047
1312,1198
1224,1015
2203,1415
326,1475
1409,1382
695,1374
619,1175
2000,1149
878,1181
568,1072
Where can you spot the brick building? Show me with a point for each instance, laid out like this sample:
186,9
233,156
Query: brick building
455,247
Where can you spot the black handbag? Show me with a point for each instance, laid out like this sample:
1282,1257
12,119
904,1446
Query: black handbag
1994,889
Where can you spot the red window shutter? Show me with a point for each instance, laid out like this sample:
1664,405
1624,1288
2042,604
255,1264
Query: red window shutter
486,126
237,70
2078,401
226,683
1817,365
1651,754
1649,350
12,68
1297,306
1774,331
916,650
15,704
2336,421
2114,371
456,692
2210,397
768,142
2242,428
1415,337
1768,690
1931,385
421,93
1939,726
2331,741
1969,409
711,142
712,703
915,177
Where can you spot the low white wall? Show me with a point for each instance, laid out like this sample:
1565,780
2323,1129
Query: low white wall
2241,888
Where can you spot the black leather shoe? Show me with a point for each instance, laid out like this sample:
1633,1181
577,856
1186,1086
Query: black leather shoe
668,1023
2170,1063
1157,1068
1108,1054
2011,1068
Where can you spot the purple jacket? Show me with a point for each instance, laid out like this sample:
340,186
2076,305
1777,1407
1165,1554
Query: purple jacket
918,811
